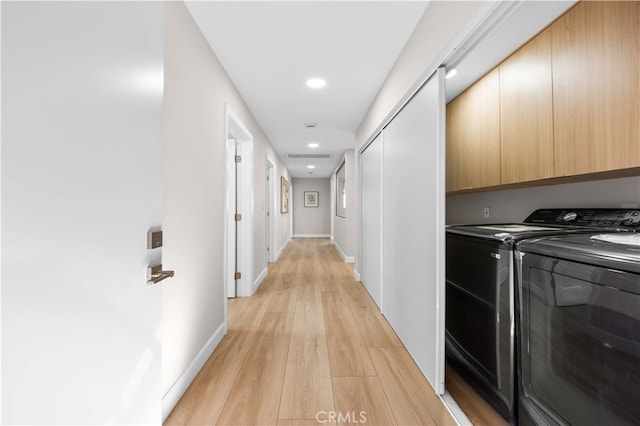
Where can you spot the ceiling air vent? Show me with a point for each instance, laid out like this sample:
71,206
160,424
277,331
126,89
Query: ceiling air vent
316,156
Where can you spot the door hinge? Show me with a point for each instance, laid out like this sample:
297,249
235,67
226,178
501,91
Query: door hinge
238,217
238,275
238,158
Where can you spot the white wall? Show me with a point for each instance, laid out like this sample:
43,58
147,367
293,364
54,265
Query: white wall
196,89
311,221
344,228
516,204
436,35
442,23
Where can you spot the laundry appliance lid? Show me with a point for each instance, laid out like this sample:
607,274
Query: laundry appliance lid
614,251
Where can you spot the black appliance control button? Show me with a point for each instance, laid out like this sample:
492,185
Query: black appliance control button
570,217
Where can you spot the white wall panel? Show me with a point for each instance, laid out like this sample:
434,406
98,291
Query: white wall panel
413,227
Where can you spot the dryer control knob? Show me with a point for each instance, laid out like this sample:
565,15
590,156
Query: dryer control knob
570,217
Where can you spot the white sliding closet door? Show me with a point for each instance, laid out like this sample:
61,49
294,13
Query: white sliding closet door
371,219
413,227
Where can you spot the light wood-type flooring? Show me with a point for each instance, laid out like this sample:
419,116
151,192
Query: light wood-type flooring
310,347
477,410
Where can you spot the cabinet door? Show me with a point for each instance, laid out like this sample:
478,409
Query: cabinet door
473,136
526,115
596,88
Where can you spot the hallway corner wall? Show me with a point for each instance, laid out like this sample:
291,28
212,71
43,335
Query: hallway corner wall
193,304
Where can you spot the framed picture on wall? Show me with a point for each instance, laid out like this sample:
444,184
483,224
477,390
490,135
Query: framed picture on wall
311,198
284,195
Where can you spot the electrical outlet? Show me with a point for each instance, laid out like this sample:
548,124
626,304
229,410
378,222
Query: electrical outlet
486,212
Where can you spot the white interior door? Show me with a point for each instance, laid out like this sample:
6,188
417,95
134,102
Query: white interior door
414,227
82,107
239,200
232,226
371,219
269,209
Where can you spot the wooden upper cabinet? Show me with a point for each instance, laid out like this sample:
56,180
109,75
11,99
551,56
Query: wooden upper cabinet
456,162
526,113
596,87
473,136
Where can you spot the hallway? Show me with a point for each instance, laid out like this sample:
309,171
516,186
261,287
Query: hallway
310,347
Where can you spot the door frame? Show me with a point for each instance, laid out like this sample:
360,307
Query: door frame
238,137
270,200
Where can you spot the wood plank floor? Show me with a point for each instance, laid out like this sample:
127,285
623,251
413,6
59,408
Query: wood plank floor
479,412
309,342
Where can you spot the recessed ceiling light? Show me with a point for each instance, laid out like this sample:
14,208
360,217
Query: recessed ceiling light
316,83
313,145
311,167
452,72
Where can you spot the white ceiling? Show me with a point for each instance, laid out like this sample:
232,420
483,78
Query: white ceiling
270,48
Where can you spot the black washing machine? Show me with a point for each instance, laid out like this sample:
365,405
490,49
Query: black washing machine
480,294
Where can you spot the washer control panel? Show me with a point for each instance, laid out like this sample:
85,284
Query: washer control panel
605,218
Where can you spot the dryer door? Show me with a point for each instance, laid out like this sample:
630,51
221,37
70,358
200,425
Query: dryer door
579,345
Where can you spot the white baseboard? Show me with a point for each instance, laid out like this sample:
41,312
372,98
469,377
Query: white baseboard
347,259
279,252
171,398
356,275
311,236
259,280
